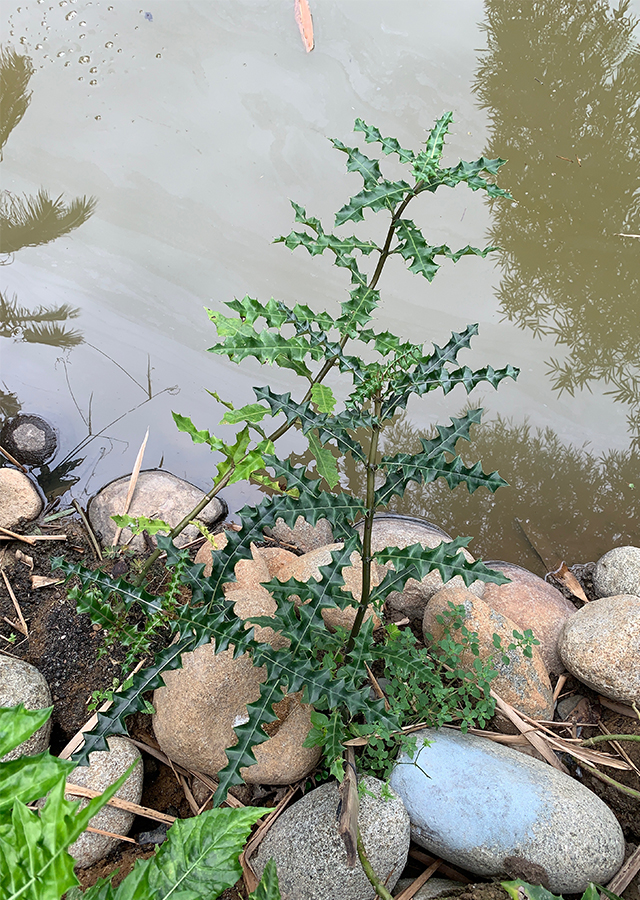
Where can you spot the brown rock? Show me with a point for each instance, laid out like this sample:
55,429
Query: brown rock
531,603
524,682
200,704
304,536
19,498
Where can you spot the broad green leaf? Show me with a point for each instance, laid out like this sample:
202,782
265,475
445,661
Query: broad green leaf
30,777
17,724
385,195
269,887
323,398
138,524
325,460
530,891
253,412
185,424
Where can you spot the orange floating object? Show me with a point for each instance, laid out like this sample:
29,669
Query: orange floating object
305,23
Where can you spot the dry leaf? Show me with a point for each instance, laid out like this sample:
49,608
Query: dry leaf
40,581
305,23
27,560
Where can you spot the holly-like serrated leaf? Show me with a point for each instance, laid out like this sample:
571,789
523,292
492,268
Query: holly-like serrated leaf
357,310
421,255
368,168
328,732
389,145
184,423
428,160
326,463
385,195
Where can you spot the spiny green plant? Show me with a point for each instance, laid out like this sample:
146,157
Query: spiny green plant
199,858
382,373
522,890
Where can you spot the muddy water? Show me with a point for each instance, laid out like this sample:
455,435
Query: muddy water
192,123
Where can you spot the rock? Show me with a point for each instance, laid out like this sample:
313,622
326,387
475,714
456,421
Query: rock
304,536
402,531
105,767
433,888
618,572
200,704
532,603
274,557
19,498
496,812
524,682
309,853
23,683
158,495
29,439
600,645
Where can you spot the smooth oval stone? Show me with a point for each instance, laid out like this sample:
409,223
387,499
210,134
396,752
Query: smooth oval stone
600,645
496,812
618,572
20,682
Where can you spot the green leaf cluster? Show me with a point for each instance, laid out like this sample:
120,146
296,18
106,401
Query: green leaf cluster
375,374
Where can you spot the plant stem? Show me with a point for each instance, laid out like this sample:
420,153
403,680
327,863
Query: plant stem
610,737
608,780
372,465
378,886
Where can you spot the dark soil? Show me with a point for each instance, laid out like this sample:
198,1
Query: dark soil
66,647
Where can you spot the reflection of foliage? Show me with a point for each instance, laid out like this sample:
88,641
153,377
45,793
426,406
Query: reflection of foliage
560,79
9,404
31,221
583,503
15,72
38,326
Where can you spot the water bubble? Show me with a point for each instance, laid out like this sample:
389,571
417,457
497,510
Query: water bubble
81,78
109,45
61,54
62,3
119,49
93,81
93,70
97,118
158,55
71,15
84,59
23,40
82,24
109,8
81,36
67,63
38,47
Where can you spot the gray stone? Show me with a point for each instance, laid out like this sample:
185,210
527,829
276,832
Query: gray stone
618,572
304,536
29,439
19,498
23,683
433,888
600,645
402,531
201,703
532,603
158,495
523,681
105,767
309,853
496,812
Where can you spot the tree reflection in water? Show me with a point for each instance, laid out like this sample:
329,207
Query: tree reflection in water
560,82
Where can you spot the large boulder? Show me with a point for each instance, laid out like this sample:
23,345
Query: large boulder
201,703
600,645
19,498
402,531
21,682
523,681
29,439
158,495
495,812
105,767
618,572
532,603
310,855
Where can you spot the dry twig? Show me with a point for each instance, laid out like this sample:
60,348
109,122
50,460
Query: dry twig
132,485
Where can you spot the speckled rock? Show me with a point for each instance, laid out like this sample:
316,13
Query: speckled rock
158,495
105,767
402,531
200,704
433,888
524,682
311,858
496,812
304,536
29,439
19,498
532,603
600,645
618,572
21,682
